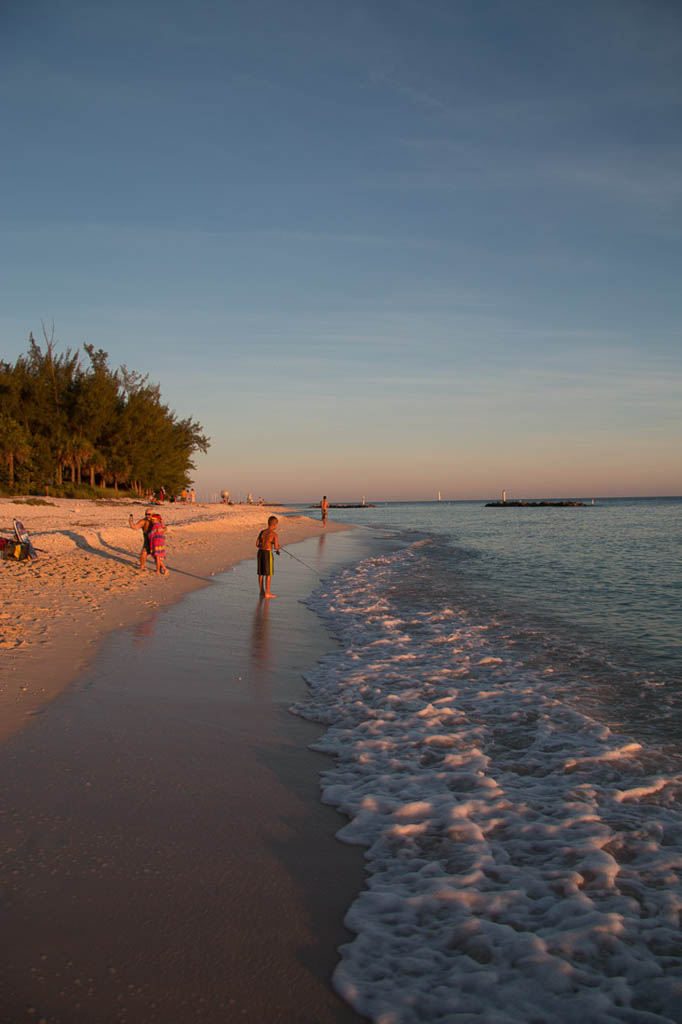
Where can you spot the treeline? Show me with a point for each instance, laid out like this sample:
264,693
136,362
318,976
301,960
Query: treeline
65,422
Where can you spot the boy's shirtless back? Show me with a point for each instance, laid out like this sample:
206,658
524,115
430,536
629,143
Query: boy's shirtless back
267,539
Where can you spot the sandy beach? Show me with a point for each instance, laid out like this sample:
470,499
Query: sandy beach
86,582
165,853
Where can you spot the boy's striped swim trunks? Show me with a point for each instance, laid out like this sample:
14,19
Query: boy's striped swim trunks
266,563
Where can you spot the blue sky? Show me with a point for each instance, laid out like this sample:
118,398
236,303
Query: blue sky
380,248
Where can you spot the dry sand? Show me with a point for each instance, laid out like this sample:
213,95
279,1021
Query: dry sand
85,583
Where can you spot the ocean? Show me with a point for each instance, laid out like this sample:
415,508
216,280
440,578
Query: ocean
504,710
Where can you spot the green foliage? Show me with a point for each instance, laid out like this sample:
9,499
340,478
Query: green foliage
33,501
74,431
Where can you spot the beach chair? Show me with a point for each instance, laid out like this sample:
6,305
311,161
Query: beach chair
20,546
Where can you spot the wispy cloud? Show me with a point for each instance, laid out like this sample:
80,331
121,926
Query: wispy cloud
650,177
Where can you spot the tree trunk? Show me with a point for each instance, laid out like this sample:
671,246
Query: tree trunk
78,470
92,476
10,468
59,474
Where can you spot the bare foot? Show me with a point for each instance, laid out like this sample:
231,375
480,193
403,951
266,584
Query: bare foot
271,595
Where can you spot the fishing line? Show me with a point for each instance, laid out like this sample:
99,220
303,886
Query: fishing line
302,562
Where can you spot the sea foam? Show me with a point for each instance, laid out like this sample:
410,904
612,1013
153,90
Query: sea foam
523,861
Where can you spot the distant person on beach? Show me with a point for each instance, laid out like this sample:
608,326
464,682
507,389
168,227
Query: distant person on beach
225,497
324,507
192,497
183,494
267,543
153,539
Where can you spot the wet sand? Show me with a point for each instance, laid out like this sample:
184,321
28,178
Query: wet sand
167,857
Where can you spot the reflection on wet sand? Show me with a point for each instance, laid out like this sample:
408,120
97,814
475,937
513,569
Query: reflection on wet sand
145,631
260,647
320,546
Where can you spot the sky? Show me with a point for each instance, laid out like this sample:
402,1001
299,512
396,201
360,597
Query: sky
375,247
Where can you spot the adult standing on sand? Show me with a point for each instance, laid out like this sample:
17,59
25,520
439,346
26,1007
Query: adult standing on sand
153,539
324,508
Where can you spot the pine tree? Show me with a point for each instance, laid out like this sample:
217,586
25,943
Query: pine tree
59,417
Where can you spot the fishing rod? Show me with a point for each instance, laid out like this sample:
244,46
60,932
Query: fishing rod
301,562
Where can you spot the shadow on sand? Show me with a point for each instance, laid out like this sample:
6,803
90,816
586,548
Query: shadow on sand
120,555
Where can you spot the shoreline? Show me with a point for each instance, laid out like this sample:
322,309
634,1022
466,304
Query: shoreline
86,583
170,856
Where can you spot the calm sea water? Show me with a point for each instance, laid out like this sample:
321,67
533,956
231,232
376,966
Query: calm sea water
593,594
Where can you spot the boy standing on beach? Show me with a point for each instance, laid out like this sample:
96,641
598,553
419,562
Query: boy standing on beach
267,543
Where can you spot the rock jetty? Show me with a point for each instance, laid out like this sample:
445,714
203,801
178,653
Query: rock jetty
535,504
